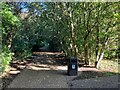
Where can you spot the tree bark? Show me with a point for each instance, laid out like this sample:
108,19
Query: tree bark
9,37
100,59
72,33
100,55
86,54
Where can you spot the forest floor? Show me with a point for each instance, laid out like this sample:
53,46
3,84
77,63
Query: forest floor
26,69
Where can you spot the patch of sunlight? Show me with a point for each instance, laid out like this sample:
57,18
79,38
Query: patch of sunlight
62,67
109,65
37,68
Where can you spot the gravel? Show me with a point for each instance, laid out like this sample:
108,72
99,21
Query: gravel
101,82
60,79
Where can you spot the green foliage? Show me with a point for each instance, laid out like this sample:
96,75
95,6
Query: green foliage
89,20
8,19
85,29
6,57
9,23
21,46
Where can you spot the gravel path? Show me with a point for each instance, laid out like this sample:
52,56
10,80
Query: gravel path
101,82
0,83
40,79
59,79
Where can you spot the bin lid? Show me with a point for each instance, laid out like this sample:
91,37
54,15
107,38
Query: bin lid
72,59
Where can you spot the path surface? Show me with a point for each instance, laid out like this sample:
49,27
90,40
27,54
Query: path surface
59,79
40,79
101,82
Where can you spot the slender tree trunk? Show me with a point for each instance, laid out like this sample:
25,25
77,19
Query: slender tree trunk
86,54
97,45
97,39
100,55
72,33
10,36
85,38
100,59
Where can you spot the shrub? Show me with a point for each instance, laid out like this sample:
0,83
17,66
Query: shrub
6,57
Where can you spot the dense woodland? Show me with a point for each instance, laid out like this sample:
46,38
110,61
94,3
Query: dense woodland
86,30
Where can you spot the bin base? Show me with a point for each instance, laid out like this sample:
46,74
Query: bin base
72,73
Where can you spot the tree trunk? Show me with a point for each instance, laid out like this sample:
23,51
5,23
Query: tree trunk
86,54
97,40
72,34
100,55
9,37
99,60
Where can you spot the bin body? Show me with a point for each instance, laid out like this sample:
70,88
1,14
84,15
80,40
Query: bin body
72,66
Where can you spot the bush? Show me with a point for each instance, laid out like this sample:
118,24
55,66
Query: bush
6,57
